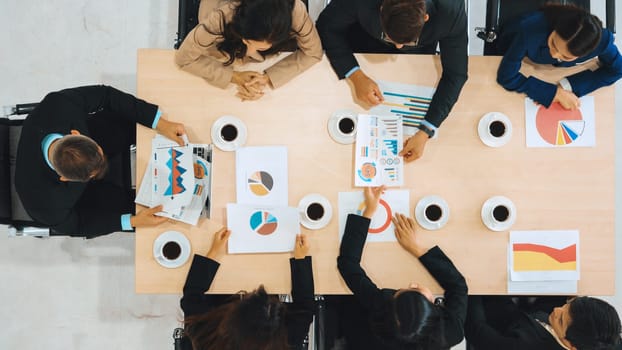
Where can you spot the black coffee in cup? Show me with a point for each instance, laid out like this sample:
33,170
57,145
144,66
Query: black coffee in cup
346,125
500,213
171,250
497,128
315,211
433,212
229,132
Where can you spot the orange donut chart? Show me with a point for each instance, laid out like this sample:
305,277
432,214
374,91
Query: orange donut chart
386,224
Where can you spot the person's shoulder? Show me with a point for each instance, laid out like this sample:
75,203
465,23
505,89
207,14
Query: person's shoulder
449,7
535,21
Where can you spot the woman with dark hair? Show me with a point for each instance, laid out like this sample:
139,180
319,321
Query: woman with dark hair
253,320
564,36
234,32
407,318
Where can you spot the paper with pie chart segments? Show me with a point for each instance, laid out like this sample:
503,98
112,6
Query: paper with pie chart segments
559,127
381,228
379,140
259,229
261,175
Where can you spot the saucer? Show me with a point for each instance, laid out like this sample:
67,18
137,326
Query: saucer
333,127
420,212
174,236
484,132
315,224
487,208
226,145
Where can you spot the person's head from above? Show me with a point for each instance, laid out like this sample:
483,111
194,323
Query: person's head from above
256,321
78,158
412,318
586,323
257,26
575,31
402,21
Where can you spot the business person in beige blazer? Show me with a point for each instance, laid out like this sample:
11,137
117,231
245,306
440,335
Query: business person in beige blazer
231,33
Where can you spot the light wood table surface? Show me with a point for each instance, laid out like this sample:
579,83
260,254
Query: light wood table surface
570,188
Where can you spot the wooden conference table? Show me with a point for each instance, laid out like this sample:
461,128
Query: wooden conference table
569,188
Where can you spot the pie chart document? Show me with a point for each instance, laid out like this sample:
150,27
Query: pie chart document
261,229
558,127
261,175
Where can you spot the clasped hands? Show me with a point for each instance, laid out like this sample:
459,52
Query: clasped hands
251,85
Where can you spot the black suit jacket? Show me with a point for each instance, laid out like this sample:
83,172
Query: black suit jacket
447,26
47,199
374,300
516,331
299,313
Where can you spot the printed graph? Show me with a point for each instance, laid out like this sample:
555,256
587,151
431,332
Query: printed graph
537,257
559,126
263,223
175,179
260,183
381,219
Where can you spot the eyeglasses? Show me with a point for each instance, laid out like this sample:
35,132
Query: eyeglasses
388,40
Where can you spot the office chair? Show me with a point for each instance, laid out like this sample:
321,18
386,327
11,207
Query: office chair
187,19
499,12
12,212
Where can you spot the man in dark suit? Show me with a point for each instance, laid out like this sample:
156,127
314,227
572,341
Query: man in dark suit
61,164
581,323
399,26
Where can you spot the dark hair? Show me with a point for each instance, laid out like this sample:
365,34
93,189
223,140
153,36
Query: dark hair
260,20
580,29
257,321
594,324
402,20
77,158
410,319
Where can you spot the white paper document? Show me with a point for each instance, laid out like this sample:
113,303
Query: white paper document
262,229
410,102
381,228
261,175
559,127
379,140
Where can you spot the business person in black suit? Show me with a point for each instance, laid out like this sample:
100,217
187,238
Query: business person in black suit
399,26
406,318
249,320
61,163
581,323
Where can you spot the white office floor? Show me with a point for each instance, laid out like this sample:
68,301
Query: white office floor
65,293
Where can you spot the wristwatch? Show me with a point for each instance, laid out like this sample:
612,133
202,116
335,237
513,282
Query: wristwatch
427,130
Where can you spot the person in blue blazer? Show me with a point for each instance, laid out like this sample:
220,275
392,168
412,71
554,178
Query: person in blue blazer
564,36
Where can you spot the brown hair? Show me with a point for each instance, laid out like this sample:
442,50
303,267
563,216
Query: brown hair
256,321
580,29
402,20
77,158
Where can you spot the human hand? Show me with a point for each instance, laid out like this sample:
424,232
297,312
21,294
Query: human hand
406,236
372,197
366,89
219,244
567,99
172,130
250,84
147,217
301,248
414,146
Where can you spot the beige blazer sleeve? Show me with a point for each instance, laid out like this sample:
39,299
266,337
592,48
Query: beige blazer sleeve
309,49
198,53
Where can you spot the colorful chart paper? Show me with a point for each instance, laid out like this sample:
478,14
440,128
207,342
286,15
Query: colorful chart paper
257,229
559,127
172,175
410,102
381,228
378,141
544,255
261,175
